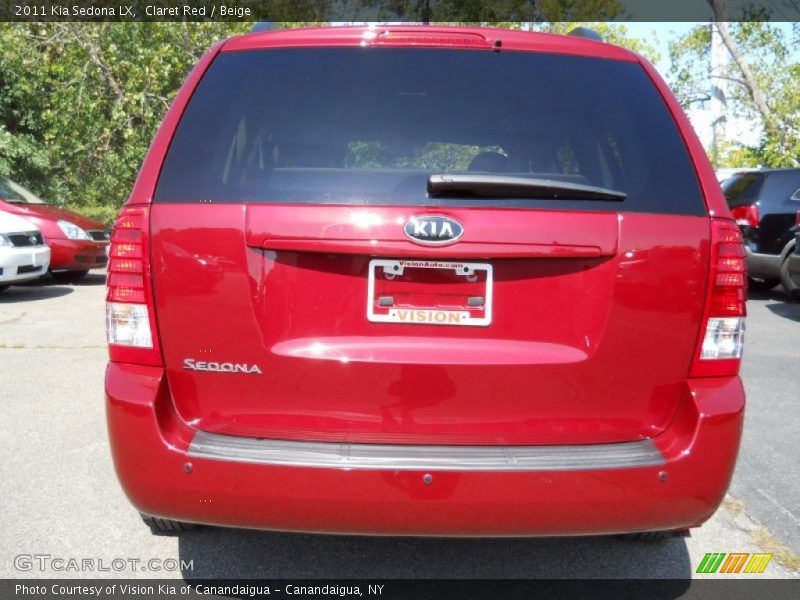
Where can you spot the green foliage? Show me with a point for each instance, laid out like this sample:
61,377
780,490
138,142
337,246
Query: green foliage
773,61
80,103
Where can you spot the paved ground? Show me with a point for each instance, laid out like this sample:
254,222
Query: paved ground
767,477
60,496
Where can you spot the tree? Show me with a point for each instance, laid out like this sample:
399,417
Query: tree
80,102
762,86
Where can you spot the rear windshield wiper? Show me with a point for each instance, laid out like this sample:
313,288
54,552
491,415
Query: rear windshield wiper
504,186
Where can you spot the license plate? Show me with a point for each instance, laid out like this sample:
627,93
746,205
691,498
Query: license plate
426,292
37,259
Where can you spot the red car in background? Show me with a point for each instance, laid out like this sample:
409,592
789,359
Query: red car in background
76,243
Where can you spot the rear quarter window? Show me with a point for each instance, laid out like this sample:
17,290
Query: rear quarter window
743,189
369,125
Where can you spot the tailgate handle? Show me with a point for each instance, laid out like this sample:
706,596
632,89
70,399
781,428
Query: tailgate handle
379,231
461,249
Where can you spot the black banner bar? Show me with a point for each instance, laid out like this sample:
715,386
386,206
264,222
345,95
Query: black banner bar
397,589
399,10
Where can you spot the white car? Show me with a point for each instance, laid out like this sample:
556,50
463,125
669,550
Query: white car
23,253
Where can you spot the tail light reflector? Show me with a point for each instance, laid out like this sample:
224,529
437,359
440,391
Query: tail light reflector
720,349
130,321
129,325
746,215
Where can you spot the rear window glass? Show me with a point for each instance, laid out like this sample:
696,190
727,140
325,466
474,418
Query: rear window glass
742,189
370,125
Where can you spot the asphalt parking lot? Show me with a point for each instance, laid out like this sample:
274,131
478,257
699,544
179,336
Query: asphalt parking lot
61,498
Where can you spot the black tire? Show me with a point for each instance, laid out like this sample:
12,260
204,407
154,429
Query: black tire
158,525
762,285
792,286
5,286
69,276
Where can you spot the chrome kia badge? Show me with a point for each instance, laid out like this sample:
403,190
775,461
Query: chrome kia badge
433,230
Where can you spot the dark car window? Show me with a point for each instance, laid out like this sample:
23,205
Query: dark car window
368,126
6,193
16,194
743,189
780,185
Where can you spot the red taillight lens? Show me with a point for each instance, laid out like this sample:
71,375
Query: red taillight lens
722,333
797,221
729,270
130,322
746,215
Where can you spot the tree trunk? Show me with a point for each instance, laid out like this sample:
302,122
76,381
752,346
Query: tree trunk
748,79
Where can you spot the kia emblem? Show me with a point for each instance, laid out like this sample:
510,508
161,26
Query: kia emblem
433,230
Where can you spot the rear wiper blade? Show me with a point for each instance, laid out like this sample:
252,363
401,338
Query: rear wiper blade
504,186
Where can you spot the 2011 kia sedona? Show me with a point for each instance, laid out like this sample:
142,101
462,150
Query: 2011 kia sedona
429,281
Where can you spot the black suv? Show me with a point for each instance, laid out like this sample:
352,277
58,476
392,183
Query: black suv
791,277
765,204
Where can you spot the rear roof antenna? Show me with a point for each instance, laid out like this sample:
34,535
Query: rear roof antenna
587,33
261,26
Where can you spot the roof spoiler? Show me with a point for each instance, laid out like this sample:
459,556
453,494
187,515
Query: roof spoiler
586,32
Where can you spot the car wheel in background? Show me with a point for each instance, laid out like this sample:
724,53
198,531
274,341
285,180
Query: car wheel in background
790,284
762,285
68,276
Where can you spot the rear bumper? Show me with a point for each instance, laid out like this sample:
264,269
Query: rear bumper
794,268
168,471
77,255
763,266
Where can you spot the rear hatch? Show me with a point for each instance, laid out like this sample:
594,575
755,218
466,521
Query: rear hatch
314,281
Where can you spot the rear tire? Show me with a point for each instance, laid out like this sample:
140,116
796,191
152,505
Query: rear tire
158,525
762,285
792,288
69,276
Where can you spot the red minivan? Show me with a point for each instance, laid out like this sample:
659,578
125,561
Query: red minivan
427,281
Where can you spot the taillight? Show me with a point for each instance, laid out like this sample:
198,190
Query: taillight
720,349
797,219
746,215
130,320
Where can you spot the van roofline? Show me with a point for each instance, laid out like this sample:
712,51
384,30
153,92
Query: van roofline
429,36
